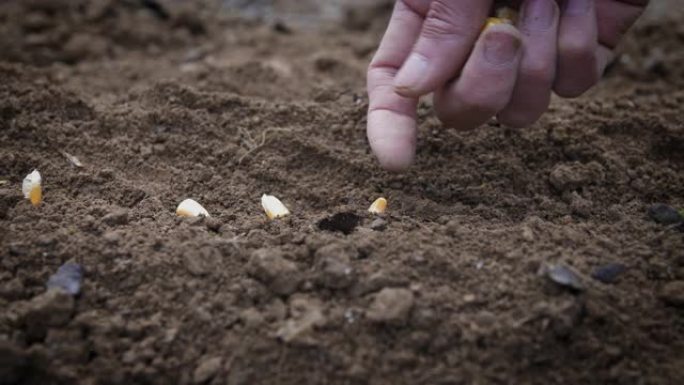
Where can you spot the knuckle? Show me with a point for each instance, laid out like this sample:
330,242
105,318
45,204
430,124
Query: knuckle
576,49
380,74
404,14
442,22
538,73
483,105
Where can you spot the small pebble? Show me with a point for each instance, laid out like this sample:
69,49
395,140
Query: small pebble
379,225
664,214
609,273
67,278
563,276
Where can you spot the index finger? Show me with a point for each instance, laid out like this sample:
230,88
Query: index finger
391,117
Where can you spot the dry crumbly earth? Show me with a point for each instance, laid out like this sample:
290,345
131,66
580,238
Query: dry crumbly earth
186,100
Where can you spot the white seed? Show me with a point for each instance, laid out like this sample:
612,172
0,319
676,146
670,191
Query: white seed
191,209
274,207
31,187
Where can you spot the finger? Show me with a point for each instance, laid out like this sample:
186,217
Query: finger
487,80
616,17
449,31
392,118
577,47
605,56
539,27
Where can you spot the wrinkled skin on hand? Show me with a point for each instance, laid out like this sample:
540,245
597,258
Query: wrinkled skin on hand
506,71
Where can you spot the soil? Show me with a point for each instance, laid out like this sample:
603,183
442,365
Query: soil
163,101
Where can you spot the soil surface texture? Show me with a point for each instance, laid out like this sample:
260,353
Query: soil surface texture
531,256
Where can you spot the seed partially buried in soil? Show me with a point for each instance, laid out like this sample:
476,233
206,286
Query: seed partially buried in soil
344,223
191,209
273,207
664,214
609,273
378,207
32,188
68,278
565,277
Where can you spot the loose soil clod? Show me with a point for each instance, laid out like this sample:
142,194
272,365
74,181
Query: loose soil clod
391,306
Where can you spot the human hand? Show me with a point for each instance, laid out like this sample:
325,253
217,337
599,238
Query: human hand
437,46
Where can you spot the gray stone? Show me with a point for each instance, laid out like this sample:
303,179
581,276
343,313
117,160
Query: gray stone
378,224
564,276
67,278
664,214
609,273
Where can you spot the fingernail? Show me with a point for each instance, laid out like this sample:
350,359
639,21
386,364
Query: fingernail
538,14
500,47
410,76
576,7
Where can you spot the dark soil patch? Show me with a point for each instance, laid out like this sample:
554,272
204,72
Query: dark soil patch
344,223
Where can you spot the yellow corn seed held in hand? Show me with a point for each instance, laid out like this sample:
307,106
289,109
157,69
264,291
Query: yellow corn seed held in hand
494,21
191,209
378,207
31,187
509,15
504,15
274,207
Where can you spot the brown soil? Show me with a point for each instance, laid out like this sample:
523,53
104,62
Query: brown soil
163,106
